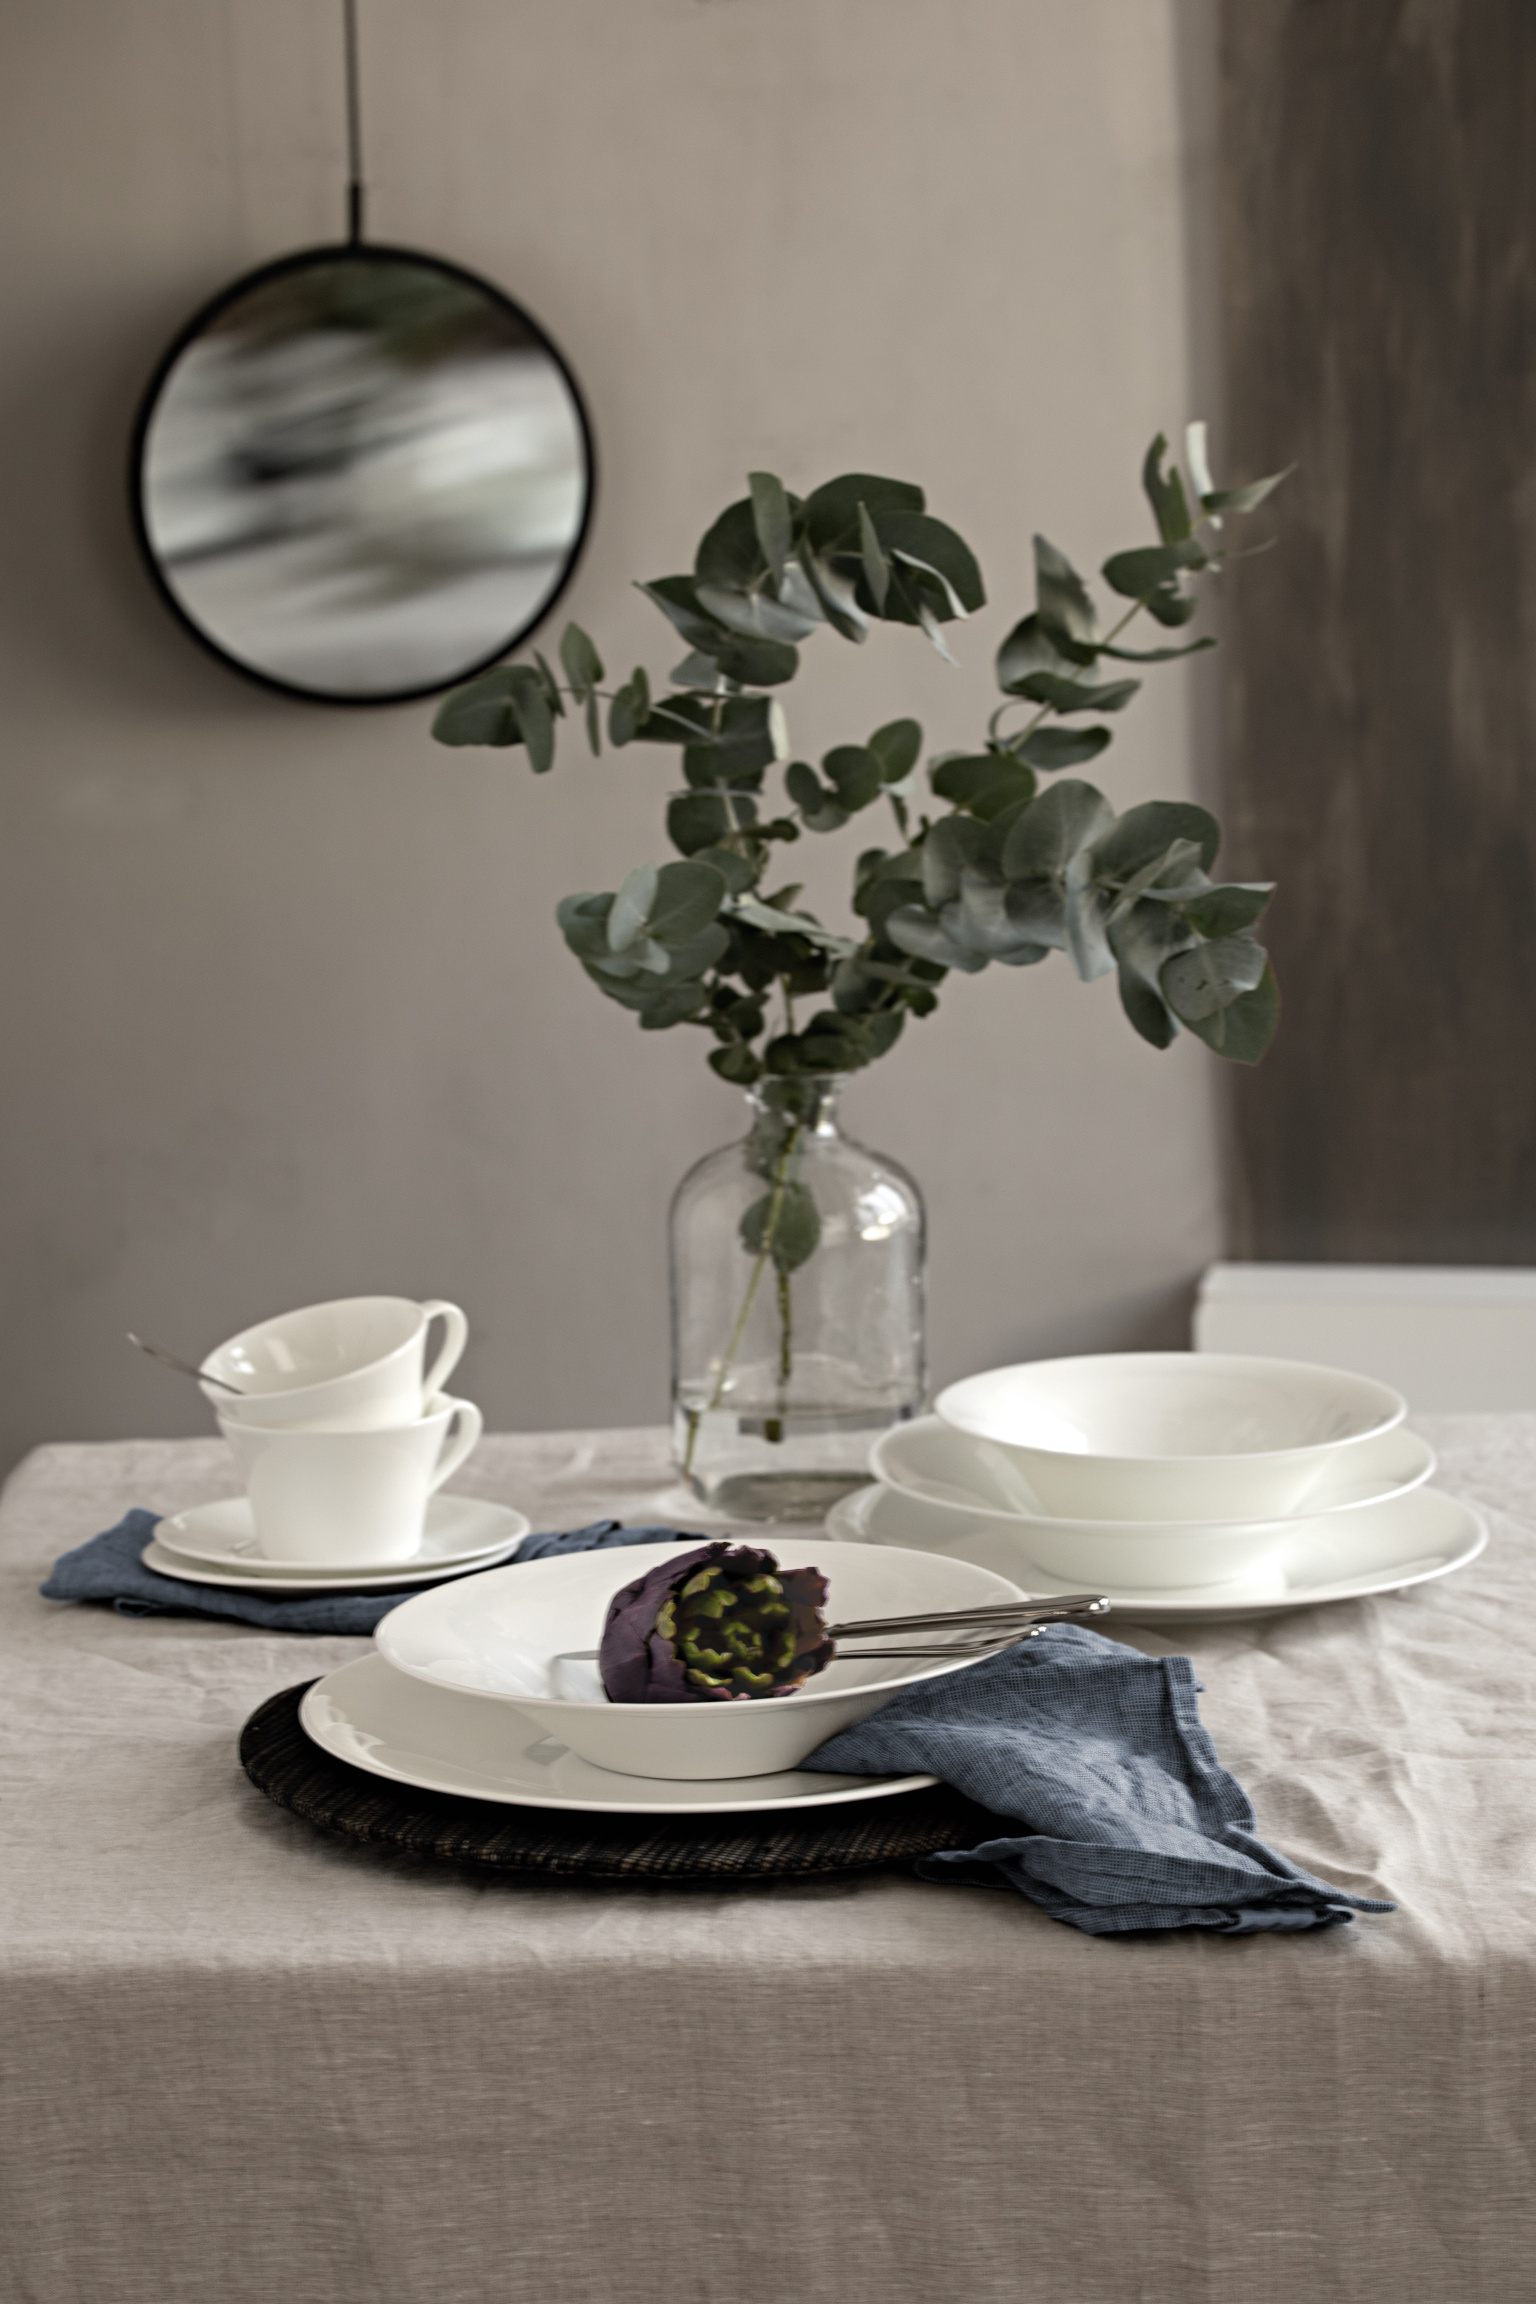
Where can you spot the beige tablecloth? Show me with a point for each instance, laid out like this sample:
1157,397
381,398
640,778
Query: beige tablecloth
246,2066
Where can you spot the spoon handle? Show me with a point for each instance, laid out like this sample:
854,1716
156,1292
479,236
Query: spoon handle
182,1367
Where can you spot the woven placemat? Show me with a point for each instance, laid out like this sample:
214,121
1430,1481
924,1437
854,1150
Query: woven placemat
555,1843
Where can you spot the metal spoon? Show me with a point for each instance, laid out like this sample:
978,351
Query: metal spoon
183,1367
989,1627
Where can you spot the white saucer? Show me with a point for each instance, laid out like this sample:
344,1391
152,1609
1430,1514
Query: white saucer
378,1719
1345,1556
460,1532
163,1563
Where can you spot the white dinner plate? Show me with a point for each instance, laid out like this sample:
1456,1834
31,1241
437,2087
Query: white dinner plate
379,1719
1347,1556
460,1532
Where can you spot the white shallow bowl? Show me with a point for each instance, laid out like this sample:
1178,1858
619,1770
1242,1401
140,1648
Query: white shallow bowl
498,1636
1343,1556
932,1464
1172,1435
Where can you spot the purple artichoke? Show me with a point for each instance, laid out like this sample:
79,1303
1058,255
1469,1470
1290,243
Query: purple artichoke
724,1623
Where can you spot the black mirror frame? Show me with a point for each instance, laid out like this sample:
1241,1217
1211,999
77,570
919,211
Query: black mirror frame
304,259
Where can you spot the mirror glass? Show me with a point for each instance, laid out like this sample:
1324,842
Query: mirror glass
362,474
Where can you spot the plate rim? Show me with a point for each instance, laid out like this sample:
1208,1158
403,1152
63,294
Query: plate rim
300,1571
872,1788
1143,1606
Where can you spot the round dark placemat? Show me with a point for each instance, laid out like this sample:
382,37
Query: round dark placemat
559,1843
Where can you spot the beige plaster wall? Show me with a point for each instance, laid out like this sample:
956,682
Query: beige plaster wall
285,1013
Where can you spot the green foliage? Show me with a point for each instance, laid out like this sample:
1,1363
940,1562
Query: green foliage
1007,871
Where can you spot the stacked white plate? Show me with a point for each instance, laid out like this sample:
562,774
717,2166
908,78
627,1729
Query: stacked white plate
1178,1483
217,1544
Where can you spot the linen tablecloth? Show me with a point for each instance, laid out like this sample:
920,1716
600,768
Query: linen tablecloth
243,2063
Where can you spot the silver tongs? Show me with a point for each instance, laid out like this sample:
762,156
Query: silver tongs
977,1630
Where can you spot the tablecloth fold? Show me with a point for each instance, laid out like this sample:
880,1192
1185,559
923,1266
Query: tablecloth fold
1129,1819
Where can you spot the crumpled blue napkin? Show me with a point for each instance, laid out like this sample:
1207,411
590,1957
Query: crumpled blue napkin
1128,1819
109,1569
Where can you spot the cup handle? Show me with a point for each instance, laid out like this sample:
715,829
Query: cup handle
453,1344
471,1425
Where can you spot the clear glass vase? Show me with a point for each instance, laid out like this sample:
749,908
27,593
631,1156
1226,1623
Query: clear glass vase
797,1309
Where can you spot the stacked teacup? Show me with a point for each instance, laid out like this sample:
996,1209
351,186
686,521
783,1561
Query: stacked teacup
1151,1473
342,1433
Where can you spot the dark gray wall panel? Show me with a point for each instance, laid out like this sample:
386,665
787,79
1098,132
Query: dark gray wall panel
1379,288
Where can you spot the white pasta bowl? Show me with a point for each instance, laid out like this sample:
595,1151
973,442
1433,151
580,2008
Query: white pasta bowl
499,1635
1173,1435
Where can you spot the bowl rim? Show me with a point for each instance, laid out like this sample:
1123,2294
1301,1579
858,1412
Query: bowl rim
933,1668
1234,1456
1251,1523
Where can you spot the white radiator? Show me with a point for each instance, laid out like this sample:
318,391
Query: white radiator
1448,1336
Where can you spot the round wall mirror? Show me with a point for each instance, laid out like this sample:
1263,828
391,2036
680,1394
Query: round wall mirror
361,474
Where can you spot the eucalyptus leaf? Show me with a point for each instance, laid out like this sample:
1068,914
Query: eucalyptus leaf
1061,597
1051,748
987,918
983,783
678,599
928,544
775,923
832,511
1146,1010
854,774
481,712
583,665
534,717
1136,574
756,615
684,900
1156,655
1165,494
772,519
1224,910
737,871
1028,649
1066,819
877,569
730,553
1088,945
820,808
632,907
912,929
735,1063
759,663
896,746
1170,606
930,624
952,844
1244,1031
1146,831
836,597
697,820
1071,696
1246,499
1197,983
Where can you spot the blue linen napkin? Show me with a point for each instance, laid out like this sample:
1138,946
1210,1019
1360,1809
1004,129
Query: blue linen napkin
1128,1819
109,1569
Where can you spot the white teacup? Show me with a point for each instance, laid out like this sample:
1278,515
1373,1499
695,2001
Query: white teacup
349,1499
354,1365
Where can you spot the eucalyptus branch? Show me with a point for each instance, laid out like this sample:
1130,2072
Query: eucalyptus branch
1020,862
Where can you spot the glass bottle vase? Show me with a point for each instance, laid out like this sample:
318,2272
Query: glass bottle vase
797,1309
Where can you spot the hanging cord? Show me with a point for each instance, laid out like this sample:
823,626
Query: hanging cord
354,125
